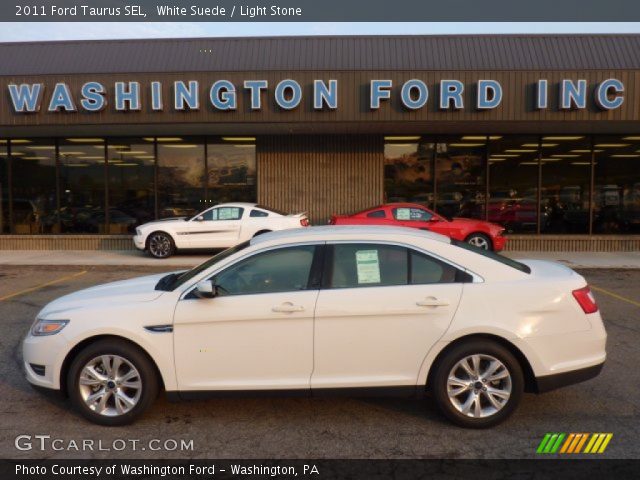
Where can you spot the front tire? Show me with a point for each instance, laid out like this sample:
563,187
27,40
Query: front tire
480,240
477,384
112,382
160,245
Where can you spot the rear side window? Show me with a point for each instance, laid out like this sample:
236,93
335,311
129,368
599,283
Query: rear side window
493,256
258,213
425,270
366,265
376,214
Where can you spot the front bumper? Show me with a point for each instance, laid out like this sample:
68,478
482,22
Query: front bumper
138,241
47,352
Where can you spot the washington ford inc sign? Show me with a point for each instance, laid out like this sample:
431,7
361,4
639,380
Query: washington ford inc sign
288,94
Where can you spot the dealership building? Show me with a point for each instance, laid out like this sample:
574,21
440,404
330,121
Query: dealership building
540,133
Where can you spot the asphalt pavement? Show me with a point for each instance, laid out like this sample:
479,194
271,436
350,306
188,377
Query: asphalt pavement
309,427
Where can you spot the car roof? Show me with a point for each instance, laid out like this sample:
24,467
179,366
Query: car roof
346,232
236,204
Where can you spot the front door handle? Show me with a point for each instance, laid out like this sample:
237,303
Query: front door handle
432,302
288,307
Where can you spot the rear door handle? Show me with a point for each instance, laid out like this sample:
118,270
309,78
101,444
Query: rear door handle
432,302
288,307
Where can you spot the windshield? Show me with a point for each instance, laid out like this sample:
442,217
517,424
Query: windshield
492,255
174,280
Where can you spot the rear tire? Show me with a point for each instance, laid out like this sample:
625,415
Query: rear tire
480,240
112,382
482,394
160,245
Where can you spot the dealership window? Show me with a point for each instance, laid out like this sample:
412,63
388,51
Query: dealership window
616,199
34,201
82,185
181,176
131,183
5,224
566,180
408,169
461,176
231,170
513,181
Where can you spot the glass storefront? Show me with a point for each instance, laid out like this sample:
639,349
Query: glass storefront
549,184
112,185
616,199
513,183
181,176
528,183
131,183
4,187
460,176
408,169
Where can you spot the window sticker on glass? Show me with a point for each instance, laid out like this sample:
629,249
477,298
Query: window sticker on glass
368,266
228,214
403,214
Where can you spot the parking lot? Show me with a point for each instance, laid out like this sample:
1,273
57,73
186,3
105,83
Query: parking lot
309,427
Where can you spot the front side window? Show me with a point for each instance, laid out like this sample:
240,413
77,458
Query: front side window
282,270
223,213
411,214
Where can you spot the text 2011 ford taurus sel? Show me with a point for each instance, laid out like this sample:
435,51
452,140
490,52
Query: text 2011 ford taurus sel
320,310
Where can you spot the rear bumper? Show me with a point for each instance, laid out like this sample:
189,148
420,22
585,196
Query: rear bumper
558,380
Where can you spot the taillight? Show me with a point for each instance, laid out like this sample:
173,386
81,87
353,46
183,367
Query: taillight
586,300
304,221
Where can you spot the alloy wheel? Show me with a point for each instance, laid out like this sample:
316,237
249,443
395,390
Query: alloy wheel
160,245
110,385
479,386
479,241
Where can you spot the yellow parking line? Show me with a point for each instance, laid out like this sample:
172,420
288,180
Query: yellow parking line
38,287
615,295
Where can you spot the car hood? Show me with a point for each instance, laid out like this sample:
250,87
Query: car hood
163,221
141,289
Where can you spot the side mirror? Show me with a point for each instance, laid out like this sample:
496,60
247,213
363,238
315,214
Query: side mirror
434,219
206,289
199,218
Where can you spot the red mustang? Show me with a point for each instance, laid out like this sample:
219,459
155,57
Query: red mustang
476,232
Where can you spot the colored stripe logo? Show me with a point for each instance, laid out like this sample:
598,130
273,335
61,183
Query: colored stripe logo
563,443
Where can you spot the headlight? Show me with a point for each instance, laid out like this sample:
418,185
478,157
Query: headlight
41,328
138,232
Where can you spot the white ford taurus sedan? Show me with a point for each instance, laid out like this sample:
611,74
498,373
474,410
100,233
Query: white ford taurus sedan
222,226
364,310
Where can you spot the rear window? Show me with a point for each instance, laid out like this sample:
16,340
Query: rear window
492,255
